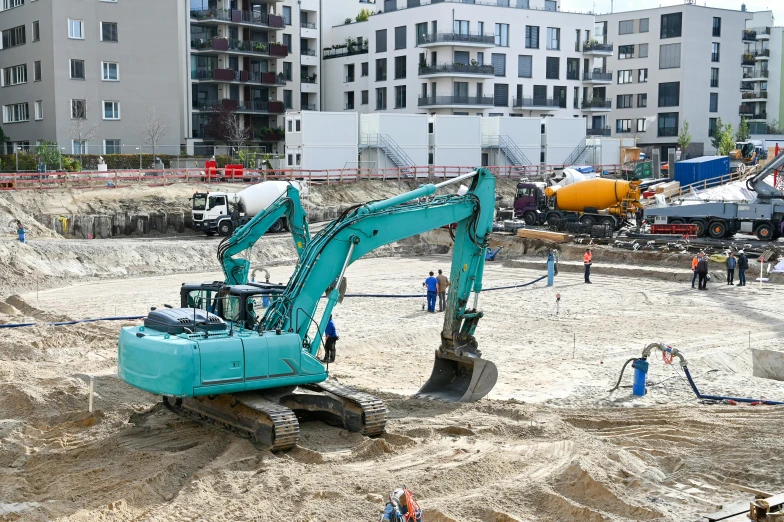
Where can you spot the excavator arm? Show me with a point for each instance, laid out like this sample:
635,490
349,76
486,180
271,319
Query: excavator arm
459,373
757,183
236,268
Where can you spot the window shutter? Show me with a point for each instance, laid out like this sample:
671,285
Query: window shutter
550,5
462,57
522,4
524,66
500,95
670,56
643,50
287,15
540,92
552,67
390,5
503,3
381,41
499,64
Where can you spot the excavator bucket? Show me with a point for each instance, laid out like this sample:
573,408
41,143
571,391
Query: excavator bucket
459,378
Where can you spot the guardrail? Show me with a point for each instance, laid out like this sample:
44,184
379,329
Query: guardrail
152,178
714,182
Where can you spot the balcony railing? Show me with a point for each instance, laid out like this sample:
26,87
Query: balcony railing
457,38
597,103
229,75
597,76
425,101
308,79
272,107
345,50
456,68
349,79
606,132
754,95
240,46
307,25
755,74
235,16
308,107
749,35
591,46
748,59
307,52
760,31
533,102
349,106
746,86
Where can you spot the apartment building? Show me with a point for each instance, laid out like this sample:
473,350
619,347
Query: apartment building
85,73
671,65
255,58
518,58
761,89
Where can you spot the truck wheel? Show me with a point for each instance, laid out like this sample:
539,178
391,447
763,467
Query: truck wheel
677,221
278,226
608,221
587,220
552,216
701,227
718,229
529,218
225,228
764,232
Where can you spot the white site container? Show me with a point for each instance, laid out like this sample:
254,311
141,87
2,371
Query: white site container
457,141
611,151
406,132
524,133
560,138
321,140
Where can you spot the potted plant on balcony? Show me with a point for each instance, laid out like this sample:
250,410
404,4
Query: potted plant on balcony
748,58
750,34
347,21
474,63
259,47
422,62
590,44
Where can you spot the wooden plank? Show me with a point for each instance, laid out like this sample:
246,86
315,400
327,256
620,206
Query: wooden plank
746,489
741,508
545,235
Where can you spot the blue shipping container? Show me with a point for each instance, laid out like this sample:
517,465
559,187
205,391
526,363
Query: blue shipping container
697,170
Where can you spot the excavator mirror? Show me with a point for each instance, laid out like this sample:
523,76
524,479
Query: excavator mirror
342,287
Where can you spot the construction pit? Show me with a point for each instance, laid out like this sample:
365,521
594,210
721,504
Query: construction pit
550,442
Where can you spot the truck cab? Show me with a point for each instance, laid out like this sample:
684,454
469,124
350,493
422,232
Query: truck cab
208,209
529,202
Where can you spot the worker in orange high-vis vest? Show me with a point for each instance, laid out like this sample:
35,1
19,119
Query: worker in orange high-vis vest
694,263
587,260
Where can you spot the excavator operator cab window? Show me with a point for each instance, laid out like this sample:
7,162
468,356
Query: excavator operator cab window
199,299
228,308
216,201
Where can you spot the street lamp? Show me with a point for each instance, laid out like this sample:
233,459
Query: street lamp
16,153
140,157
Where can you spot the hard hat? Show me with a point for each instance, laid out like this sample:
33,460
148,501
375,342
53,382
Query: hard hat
400,496
740,251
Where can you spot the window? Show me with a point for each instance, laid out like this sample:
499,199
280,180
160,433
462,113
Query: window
76,29
400,97
461,26
625,101
531,37
13,37
642,100
623,126
400,37
78,109
37,71
39,110
381,98
716,26
287,43
553,64
287,15
572,68
670,56
421,33
381,40
10,4
668,124
671,25
400,67
499,64
712,124
644,50
364,97
642,76
715,52
626,27
550,5
500,95
288,99
14,75
540,93
553,38
111,110
381,69
669,94
462,57
78,146
502,35
349,72
714,102
525,66
349,100
287,71
642,125
625,52
714,77
365,68
624,77
643,25
15,113
559,95
111,147
111,71
108,31
36,31
77,69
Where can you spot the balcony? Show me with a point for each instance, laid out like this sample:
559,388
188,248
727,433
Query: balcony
307,25
251,18
762,55
455,39
598,77
225,45
307,52
755,76
455,101
535,104
308,107
597,105
339,51
456,70
308,79
748,59
271,134
255,107
230,76
746,86
754,95
749,35
592,47
605,132
763,33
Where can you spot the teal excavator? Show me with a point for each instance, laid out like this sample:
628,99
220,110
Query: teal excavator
208,359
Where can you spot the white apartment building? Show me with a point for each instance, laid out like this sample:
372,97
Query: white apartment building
762,61
519,58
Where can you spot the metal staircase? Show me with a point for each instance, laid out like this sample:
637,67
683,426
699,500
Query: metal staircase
513,153
389,147
578,154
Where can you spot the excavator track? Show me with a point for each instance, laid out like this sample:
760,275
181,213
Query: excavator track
250,414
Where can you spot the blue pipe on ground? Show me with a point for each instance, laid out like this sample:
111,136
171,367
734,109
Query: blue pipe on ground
722,398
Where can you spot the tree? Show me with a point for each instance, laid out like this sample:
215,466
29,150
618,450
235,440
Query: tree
81,130
716,138
225,126
3,138
49,154
727,141
743,130
684,138
155,128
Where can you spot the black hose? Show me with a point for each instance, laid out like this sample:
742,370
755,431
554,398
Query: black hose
618,384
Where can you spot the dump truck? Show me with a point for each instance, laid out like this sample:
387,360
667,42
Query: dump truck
223,212
590,201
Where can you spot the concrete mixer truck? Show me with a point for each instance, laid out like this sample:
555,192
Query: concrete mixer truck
589,201
223,212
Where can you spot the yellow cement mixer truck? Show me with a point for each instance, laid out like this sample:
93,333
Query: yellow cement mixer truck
589,201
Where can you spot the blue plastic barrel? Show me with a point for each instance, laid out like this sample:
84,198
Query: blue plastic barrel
640,372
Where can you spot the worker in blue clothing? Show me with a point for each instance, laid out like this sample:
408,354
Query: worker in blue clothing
331,334
431,283
397,508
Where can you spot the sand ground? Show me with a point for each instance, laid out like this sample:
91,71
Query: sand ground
549,443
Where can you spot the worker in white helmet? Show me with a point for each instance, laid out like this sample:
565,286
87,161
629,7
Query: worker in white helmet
401,507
